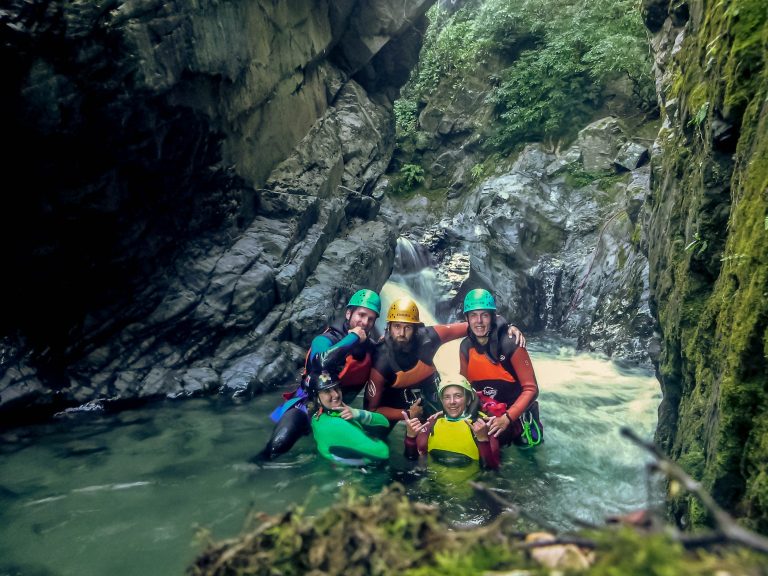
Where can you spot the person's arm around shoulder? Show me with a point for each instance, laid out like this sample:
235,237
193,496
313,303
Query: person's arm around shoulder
510,330
448,332
516,335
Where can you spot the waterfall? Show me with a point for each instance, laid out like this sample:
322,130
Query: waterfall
413,271
414,278
410,257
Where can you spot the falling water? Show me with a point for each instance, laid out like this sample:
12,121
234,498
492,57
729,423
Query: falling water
413,270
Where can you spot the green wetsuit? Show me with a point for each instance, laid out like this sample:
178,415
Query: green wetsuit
347,441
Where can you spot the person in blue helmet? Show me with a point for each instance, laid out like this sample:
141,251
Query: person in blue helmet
501,373
344,434
344,351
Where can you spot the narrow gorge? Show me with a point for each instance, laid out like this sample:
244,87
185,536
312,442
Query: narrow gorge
199,185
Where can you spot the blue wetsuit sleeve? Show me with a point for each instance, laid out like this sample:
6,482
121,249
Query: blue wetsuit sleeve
323,354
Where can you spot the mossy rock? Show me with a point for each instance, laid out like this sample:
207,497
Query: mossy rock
389,534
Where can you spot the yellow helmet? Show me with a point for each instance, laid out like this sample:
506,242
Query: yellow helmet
404,310
456,380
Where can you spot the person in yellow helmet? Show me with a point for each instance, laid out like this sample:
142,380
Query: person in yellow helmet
403,376
458,433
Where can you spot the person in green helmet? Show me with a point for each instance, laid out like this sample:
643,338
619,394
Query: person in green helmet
458,433
501,373
345,352
344,434
404,376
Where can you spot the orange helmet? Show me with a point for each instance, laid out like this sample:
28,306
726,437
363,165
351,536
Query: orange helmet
404,310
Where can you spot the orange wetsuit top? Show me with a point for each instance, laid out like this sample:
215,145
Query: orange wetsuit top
501,370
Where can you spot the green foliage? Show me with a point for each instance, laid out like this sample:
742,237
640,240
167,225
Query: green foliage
387,534
449,51
476,559
580,45
412,174
559,55
406,116
576,177
406,180
701,115
477,172
699,244
630,553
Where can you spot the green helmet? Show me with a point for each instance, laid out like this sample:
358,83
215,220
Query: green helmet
456,380
367,299
479,299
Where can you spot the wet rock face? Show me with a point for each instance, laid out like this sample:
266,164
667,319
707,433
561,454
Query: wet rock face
557,255
193,176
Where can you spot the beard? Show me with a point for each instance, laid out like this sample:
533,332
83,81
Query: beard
401,346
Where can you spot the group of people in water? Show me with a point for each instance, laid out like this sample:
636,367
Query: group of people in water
464,417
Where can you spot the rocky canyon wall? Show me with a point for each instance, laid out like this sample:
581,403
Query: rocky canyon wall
708,248
194,188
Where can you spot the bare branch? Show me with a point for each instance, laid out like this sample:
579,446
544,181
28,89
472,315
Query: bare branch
726,527
505,504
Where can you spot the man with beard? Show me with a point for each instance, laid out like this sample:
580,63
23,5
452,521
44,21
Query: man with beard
500,372
345,353
404,377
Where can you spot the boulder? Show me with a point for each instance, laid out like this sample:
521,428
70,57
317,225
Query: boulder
599,143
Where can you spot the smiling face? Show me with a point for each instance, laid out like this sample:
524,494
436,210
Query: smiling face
331,398
454,400
361,318
480,323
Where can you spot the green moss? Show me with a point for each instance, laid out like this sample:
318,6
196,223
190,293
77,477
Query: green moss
713,309
693,463
388,534
606,183
621,258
